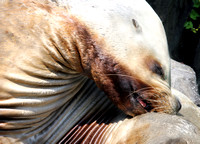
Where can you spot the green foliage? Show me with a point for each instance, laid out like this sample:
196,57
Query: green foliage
196,3
194,16
188,25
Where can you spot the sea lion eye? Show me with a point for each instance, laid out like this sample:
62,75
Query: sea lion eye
157,69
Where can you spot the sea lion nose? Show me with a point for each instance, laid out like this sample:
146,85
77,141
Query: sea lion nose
178,107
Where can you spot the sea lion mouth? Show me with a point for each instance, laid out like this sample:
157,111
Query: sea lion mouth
143,102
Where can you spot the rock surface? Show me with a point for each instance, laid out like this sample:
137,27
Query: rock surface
184,80
197,64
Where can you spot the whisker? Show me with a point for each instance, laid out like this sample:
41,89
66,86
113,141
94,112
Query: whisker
145,88
140,93
165,86
119,75
152,100
126,76
158,108
151,87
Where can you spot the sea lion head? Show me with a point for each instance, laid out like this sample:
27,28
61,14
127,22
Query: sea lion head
123,48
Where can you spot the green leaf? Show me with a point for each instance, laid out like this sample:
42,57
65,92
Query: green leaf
196,1
196,5
194,15
194,30
188,25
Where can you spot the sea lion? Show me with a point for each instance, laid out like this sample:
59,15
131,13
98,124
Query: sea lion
48,51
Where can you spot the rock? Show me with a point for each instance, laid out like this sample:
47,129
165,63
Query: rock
189,51
197,64
184,80
184,87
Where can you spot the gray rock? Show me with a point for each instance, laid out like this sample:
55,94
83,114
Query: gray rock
184,80
197,64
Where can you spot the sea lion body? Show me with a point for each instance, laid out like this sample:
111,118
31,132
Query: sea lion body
47,53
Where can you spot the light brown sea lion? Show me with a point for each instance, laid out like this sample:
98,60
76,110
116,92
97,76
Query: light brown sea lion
47,53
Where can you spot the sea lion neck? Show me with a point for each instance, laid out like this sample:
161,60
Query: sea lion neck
70,38
86,48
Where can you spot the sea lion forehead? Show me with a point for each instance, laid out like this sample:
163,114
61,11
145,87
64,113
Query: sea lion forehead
124,25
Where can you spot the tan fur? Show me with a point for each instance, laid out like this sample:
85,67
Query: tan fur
47,53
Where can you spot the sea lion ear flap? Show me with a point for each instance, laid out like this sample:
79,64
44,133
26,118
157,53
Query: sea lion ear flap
136,25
